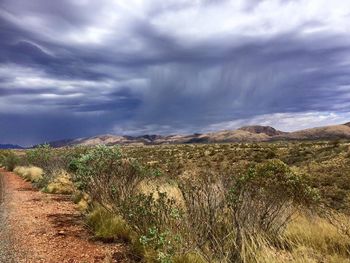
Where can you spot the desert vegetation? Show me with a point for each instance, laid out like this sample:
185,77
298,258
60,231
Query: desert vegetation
237,202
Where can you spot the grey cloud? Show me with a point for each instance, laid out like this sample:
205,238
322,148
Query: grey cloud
144,78
271,77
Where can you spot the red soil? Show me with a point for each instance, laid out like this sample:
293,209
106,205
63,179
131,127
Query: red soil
49,228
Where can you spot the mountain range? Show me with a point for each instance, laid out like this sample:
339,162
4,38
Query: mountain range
10,146
255,133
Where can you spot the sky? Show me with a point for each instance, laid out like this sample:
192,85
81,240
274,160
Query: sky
76,68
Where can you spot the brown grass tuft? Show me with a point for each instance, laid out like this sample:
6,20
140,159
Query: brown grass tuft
62,184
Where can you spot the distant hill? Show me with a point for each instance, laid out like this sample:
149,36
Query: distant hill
254,133
333,132
10,146
270,131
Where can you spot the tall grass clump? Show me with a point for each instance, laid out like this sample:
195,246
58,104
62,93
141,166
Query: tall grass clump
60,184
108,227
30,173
319,235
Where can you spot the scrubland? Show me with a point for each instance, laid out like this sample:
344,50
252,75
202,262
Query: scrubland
240,202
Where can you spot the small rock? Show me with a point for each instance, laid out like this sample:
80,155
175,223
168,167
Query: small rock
61,233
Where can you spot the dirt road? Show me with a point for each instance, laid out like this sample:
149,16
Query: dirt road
38,227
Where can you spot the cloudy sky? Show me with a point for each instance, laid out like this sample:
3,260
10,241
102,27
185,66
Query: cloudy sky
74,68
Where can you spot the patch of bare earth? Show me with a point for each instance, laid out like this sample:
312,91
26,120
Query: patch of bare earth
48,228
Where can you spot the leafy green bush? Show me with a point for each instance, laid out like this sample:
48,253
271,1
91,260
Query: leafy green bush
264,199
112,182
40,156
158,222
9,160
162,245
97,163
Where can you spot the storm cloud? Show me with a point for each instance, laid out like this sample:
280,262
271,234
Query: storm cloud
76,68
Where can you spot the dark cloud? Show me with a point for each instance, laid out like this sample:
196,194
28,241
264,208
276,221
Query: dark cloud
28,129
78,68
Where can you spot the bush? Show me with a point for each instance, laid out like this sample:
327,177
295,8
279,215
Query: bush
264,200
40,156
205,203
113,183
95,164
158,221
240,211
9,160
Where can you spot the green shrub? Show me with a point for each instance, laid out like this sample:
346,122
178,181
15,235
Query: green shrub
160,246
41,156
239,211
9,160
112,182
158,222
98,162
264,199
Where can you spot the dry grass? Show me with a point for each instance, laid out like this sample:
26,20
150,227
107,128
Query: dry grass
189,258
318,235
298,255
309,240
31,173
62,184
83,201
161,186
108,227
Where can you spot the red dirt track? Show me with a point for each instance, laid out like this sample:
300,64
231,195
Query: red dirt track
41,227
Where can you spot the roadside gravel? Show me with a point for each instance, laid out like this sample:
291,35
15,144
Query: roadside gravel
6,251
